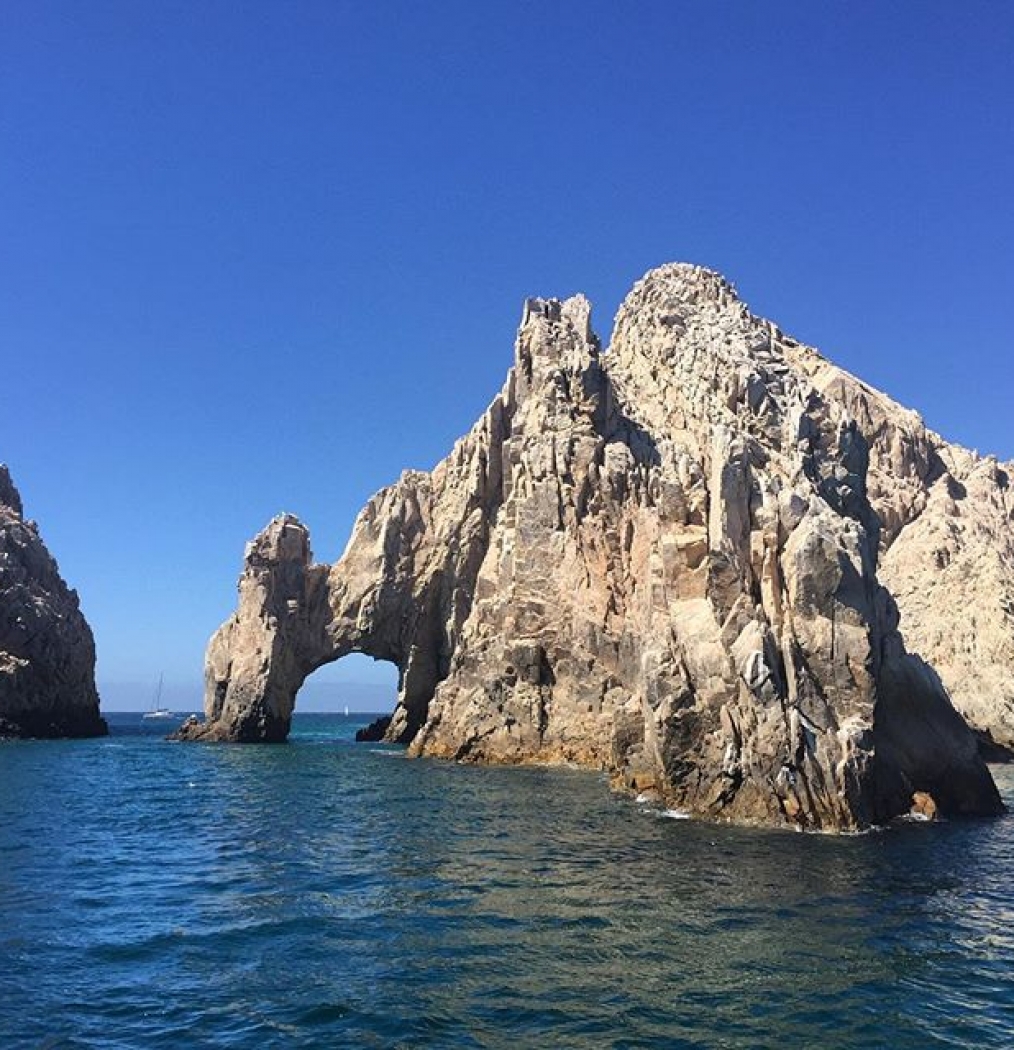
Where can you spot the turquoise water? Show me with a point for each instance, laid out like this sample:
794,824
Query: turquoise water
328,894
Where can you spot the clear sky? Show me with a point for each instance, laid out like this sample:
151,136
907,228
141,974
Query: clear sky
258,256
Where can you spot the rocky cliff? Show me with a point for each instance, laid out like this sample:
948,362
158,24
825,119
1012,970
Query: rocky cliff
660,561
47,655
946,546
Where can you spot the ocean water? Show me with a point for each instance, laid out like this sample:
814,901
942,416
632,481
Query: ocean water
328,894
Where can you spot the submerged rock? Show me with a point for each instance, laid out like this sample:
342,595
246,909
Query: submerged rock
376,730
660,561
47,654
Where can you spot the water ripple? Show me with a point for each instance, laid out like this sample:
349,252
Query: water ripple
323,895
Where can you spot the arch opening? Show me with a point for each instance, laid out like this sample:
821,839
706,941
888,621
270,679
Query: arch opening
355,683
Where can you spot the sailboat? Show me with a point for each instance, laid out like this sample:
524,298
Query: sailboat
157,711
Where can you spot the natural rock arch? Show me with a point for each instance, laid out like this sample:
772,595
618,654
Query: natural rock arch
659,561
404,587
297,616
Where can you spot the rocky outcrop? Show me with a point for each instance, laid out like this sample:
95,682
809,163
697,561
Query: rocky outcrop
375,732
47,655
946,544
660,561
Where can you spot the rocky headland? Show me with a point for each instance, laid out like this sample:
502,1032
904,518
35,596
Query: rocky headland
680,561
47,654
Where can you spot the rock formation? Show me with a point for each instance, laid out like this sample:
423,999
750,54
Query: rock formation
47,655
946,545
660,561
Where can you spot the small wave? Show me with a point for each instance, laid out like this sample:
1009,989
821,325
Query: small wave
676,814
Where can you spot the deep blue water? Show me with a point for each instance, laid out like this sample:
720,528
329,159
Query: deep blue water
328,894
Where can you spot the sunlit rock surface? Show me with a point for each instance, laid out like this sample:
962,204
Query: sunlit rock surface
660,561
47,654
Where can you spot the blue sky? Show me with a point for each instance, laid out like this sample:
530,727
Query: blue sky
263,256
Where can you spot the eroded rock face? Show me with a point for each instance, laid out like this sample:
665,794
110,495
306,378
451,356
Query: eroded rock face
47,654
946,545
659,561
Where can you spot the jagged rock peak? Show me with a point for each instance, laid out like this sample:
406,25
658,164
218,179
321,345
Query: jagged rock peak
575,311
660,560
47,654
9,495
284,539
682,283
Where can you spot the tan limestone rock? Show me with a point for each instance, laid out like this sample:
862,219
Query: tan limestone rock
923,807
